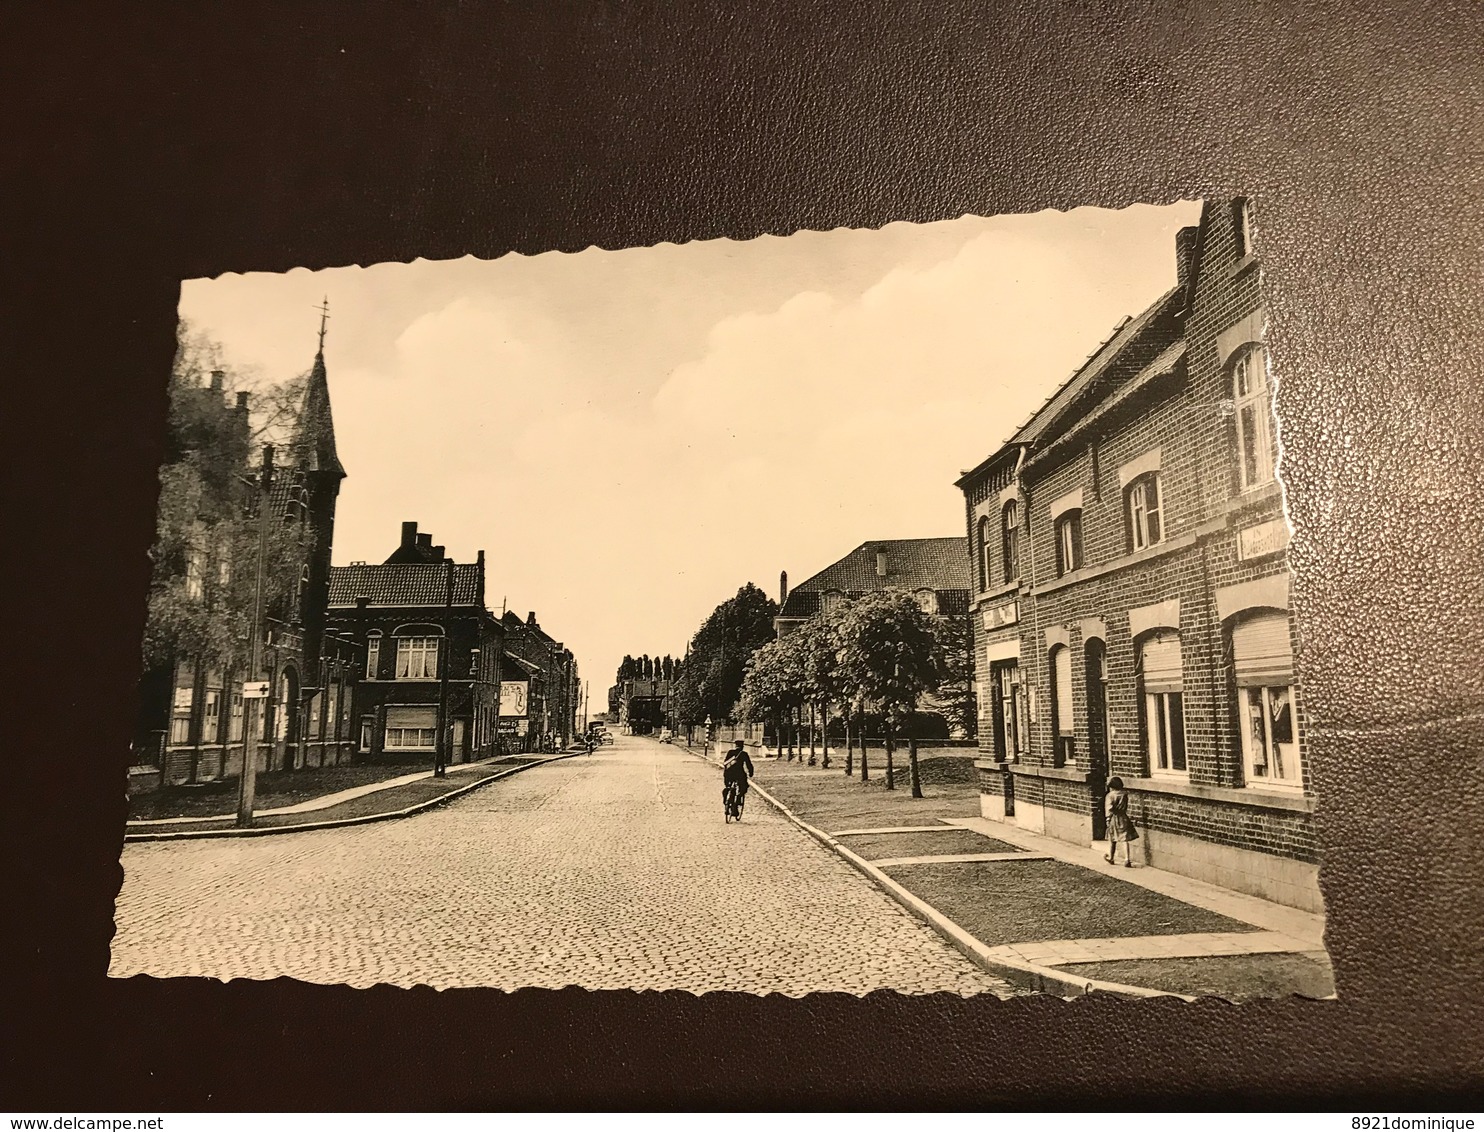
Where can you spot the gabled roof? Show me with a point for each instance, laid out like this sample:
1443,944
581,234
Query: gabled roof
528,668
937,564
421,583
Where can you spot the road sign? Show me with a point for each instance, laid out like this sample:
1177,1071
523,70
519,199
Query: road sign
255,690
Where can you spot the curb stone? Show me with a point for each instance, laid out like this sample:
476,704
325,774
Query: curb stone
335,823
1033,977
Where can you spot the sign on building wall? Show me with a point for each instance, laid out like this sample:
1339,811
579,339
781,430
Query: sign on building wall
513,726
513,698
1262,539
998,616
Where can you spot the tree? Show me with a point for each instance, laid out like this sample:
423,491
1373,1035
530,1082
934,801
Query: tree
956,689
890,655
818,647
711,680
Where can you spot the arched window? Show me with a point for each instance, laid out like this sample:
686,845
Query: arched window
1069,541
1262,661
1162,680
1252,396
1010,541
1063,718
984,545
1144,509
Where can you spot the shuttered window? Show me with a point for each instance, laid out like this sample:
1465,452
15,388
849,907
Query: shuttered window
1261,650
1262,658
411,728
1061,680
1162,675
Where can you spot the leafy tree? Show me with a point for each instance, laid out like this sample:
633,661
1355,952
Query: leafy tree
890,655
956,689
711,681
818,644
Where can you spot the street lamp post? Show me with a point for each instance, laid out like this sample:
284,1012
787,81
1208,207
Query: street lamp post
445,659
247,780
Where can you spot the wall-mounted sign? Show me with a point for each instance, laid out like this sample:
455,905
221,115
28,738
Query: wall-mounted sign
513,698
998,616
255,690
513,726
1262,539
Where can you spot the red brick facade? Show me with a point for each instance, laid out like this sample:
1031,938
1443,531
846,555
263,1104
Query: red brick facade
1170,610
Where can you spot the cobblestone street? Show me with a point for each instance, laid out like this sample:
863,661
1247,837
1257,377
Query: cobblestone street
608,872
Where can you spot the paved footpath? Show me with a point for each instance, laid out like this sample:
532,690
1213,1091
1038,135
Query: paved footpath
611,871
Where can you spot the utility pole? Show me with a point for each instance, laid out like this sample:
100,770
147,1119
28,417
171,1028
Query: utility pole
247,780
445,658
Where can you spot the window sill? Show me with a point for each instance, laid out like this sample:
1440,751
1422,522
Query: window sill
997,592
1232,795
1061,773
1087,573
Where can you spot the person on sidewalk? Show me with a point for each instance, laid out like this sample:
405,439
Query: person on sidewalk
1120,825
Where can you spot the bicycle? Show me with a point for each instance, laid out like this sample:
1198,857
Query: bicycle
732,800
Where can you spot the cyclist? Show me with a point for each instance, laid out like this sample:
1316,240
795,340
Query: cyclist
736,769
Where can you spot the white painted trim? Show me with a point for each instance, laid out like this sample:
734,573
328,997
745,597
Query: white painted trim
1071,501
1138,466
1002,650
1265,593
1253,328
1160,615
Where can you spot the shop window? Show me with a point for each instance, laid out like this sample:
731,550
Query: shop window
1063,718
1257,455
1162,678
1069,541
1143,506
1010,541
1262,661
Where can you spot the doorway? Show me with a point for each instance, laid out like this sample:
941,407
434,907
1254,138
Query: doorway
1096,657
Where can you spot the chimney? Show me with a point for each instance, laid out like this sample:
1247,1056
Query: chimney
242,401
1184,250
217,378
362,601
782,586
479,579
424,541
881,561
438,555
531,617
409,535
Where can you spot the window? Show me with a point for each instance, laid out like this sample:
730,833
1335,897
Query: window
332,712
182,702
417,658
1063,718
926,600
195,561
368,729
1010,541
1008,709
1162,675
234,728
211,708
411,728
1256,453
833,600
984,574
314,716
1262,660
373,656
1242,226
1069,542
1145,512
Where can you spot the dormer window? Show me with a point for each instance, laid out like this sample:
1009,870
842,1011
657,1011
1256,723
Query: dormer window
1069,541
927,601
1144,509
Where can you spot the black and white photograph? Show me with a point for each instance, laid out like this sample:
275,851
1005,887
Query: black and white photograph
895,609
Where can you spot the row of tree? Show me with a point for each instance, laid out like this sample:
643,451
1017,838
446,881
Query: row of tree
878,655
647,667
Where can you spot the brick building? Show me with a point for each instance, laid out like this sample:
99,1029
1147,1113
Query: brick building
420,621
641,706
1131,592
554,691
192,712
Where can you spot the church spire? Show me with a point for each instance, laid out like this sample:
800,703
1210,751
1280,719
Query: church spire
315,442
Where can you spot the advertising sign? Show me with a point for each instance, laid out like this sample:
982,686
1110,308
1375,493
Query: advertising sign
513,698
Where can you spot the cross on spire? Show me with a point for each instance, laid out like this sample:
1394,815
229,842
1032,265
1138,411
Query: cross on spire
324,317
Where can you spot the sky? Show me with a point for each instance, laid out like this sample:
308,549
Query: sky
631,436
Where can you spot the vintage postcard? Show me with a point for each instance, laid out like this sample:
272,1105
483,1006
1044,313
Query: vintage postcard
903,609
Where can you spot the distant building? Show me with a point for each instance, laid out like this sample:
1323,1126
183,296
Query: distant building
555,692
420,621
1131,592
935,571
642,706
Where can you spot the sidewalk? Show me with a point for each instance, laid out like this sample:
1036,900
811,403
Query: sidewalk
388,798
1046,913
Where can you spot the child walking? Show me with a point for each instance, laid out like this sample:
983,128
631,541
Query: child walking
1120,826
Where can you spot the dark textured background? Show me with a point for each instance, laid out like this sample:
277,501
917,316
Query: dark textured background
143,147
